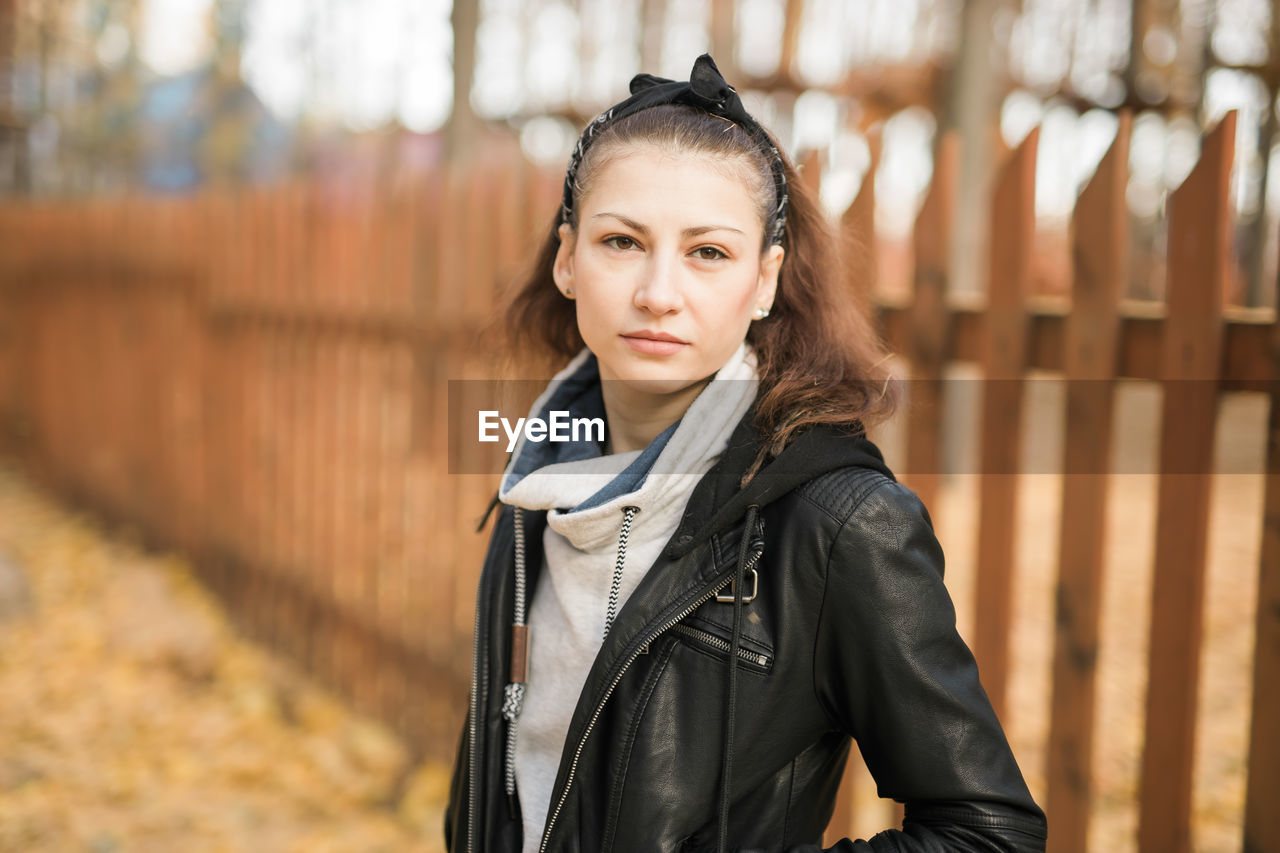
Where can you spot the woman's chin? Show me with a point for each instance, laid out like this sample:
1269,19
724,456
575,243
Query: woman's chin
654,379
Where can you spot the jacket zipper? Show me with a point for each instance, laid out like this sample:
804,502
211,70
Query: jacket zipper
723,645
514,692
472,725
573,767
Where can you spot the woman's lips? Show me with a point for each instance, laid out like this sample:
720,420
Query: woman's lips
655,345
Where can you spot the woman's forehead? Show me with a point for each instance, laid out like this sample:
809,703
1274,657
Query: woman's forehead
674,186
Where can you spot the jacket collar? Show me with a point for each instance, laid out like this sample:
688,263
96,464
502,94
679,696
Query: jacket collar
718,501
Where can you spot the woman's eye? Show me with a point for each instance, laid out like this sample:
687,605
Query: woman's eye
709,253
620,242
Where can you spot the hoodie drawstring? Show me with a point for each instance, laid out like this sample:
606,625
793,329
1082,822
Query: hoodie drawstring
513,693
628,513
739,581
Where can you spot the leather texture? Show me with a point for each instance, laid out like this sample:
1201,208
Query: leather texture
850,638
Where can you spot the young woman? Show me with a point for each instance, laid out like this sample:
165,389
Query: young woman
681,629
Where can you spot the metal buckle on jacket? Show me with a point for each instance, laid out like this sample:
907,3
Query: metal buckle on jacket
727,597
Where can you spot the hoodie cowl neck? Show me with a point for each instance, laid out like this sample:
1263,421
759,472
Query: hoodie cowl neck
585,491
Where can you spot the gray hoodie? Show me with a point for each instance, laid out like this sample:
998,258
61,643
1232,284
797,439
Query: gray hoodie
608,518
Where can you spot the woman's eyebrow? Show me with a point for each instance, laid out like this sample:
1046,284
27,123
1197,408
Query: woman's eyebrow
688,232
625,220
703,229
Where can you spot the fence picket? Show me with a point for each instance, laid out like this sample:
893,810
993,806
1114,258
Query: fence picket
1199,250
1004,358
1261,817
1100,249
858,239
931,325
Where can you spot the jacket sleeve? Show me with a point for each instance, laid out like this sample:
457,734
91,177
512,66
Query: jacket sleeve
892,671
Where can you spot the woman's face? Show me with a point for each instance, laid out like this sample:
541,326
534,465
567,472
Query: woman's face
665,267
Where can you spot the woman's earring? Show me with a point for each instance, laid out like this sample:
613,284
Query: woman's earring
761,313
568,292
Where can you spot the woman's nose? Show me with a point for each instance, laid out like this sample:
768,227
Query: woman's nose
659,288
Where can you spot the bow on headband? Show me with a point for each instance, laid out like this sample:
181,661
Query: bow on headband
707,91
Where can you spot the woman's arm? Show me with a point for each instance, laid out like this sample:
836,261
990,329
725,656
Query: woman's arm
892,671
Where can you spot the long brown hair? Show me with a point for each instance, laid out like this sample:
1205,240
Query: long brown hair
820,360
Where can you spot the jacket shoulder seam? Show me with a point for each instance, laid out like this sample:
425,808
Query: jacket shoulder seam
856,483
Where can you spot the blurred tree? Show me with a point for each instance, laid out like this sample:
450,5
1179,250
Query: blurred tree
461,131
15,175
976,90
1257,284
652,32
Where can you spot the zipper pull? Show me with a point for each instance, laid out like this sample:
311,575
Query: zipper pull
519,654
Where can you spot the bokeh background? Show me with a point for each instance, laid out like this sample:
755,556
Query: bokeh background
170,96
249,254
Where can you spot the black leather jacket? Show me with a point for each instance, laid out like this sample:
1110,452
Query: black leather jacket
844,630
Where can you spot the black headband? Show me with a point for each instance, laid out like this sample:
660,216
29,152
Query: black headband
706,90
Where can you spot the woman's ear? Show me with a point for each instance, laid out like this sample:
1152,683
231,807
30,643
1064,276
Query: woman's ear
767,285
562,269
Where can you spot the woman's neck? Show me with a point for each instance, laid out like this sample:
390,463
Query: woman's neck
637,417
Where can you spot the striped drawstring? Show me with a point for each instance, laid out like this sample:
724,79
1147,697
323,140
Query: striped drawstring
628,513
726,766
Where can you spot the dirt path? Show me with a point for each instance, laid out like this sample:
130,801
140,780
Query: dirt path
133,719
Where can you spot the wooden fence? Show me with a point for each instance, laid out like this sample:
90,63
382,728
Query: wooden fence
258,379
